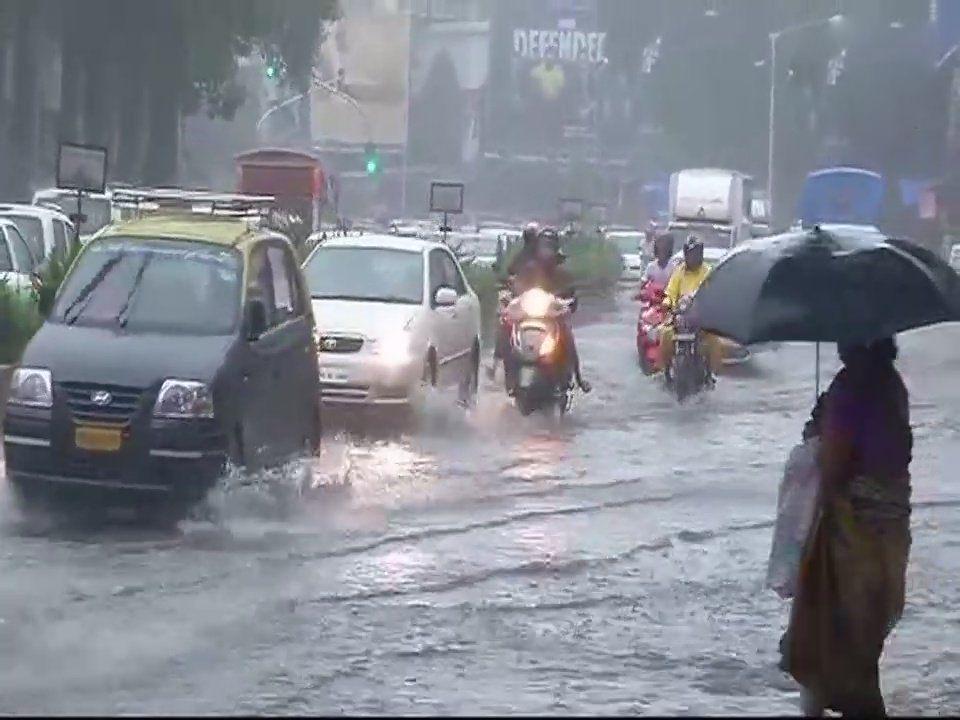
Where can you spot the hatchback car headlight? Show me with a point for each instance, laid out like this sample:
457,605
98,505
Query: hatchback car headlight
184,399
394,347
31,387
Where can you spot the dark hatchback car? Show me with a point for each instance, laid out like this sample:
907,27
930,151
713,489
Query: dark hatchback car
175,345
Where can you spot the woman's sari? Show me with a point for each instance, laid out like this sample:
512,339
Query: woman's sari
850,591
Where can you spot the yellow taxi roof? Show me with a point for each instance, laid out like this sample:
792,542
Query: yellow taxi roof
215,230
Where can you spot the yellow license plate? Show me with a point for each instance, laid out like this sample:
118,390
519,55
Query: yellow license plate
98,439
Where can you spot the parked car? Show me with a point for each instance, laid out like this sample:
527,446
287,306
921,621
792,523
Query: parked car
46,230
393,315
17,262
630,243
96,208
175,344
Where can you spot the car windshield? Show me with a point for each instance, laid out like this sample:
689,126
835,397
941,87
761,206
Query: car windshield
628,244
96,211
368,274
142,285
32,230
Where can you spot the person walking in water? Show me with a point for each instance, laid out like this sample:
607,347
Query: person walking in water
851,584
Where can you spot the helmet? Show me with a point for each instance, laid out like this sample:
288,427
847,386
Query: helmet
693,251
531,232
550,242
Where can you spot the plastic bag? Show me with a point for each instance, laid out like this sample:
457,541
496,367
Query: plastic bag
797,504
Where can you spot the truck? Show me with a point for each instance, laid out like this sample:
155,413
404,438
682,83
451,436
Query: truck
712,203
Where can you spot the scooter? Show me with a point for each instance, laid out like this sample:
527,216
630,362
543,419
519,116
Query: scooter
689,371
544,377
652,315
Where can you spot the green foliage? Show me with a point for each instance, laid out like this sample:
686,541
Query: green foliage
51,277
485,284
594,262
19,320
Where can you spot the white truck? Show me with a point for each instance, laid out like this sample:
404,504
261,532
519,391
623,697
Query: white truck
712,203
715,205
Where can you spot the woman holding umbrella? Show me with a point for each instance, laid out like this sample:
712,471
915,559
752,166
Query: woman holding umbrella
857,289
850,590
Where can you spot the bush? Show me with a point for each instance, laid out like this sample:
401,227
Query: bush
51,277
485,284
19,320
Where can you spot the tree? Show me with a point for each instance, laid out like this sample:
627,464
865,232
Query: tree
131,71
437,117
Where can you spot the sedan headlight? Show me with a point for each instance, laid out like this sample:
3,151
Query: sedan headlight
184,399
31,387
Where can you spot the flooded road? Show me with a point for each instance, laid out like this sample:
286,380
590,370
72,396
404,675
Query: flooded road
610,563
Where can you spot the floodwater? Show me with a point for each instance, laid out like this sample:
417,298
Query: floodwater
487,563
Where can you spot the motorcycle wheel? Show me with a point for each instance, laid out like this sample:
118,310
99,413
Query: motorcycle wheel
524,403
646,366
682,378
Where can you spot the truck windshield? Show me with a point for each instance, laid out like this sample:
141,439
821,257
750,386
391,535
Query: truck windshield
712,237
141,285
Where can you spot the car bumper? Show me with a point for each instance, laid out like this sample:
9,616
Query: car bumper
365,379
171,458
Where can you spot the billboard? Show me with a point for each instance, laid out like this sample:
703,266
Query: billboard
366,58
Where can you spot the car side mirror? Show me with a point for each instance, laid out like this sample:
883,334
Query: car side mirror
445,297
256,319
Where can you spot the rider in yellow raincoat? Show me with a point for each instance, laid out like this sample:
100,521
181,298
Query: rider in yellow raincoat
686,279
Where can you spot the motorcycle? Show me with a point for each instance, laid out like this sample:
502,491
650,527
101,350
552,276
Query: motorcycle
652,315
689,371
544,377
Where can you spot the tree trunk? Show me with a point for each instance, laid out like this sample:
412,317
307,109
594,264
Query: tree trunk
26,114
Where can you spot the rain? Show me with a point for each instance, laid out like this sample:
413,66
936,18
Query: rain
283,429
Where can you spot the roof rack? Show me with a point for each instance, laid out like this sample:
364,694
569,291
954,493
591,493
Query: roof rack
200,202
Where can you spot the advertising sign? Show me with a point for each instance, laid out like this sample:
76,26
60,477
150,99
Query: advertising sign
82,167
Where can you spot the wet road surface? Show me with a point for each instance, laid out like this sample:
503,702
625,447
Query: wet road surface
488,563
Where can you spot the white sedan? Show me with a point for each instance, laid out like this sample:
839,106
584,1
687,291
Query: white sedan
393,315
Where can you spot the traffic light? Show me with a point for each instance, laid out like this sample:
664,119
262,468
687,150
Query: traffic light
274,67
371,159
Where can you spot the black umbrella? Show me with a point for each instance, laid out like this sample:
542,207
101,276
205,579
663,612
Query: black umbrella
841,285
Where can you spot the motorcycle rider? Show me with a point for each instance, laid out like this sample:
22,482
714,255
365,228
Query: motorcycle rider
686,280
660,269
547,272
527,253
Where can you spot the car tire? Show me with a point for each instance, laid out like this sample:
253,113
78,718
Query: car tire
470,384
429,377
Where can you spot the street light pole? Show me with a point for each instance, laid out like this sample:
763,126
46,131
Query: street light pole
774,37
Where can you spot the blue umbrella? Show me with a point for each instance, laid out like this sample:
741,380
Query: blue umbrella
842,285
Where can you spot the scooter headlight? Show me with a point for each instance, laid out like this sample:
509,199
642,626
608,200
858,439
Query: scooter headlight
548,345
536,302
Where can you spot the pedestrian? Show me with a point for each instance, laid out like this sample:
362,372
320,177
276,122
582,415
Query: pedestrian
850,588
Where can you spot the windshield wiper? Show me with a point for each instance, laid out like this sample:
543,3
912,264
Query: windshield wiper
367,298
86,292
134,286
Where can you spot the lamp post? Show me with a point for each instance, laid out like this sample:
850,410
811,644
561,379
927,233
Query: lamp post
774,38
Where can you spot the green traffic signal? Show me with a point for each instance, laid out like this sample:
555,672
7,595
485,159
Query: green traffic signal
271,71
372,158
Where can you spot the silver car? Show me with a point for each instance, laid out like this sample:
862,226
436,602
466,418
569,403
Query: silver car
393,315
